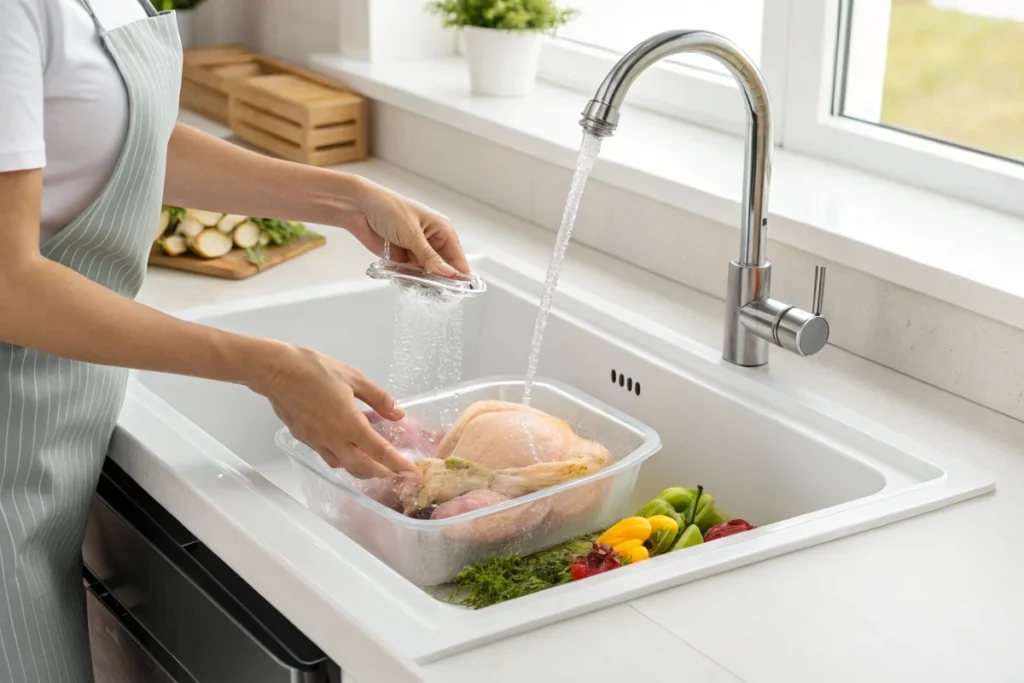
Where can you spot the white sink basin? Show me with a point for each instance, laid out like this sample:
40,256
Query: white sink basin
800,468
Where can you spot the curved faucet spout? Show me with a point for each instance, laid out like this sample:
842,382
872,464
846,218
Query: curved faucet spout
754,319
601,117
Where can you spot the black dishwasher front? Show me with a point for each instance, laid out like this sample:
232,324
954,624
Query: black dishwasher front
196,619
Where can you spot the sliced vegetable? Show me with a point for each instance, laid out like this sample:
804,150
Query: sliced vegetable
246,235
189,227
165,220
730,528
210,243
207,218
177,214
230,221
264,239
626,530
173,245
691,536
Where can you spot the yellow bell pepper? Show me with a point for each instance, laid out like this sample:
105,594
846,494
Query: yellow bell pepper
629,529
626,547
637,554
663,522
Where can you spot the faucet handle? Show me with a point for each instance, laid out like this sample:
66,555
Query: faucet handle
818,295
804,332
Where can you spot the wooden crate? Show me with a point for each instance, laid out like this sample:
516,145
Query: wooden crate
205,73
299,116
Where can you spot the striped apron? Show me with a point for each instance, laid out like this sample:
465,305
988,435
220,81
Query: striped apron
57,415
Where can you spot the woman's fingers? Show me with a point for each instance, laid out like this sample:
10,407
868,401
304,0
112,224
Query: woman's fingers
446,242
329,457
375,397
378,448
361,466
430,259
346,456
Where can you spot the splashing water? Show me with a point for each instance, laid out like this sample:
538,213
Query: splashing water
427,349
589,149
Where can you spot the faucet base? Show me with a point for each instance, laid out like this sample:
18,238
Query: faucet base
747,284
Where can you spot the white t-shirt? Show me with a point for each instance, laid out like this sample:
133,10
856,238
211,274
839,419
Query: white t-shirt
63,105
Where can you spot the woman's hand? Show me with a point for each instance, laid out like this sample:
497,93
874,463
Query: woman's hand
417,234
315,396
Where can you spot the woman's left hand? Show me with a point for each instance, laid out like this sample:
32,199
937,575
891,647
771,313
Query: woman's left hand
417,234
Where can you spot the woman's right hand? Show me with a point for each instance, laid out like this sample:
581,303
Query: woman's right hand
315,396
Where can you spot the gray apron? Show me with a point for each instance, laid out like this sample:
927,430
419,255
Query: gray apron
57,415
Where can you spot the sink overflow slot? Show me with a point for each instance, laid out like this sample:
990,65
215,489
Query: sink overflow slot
626,382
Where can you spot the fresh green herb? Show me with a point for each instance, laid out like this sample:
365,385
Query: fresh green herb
500,578
280,231
176,214
165,5
257,255
507,15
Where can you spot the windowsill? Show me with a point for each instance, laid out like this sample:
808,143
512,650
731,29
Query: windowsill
951,250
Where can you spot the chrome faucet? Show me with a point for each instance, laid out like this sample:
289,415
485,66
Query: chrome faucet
753,318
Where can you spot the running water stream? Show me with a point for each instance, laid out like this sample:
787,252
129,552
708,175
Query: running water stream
589,149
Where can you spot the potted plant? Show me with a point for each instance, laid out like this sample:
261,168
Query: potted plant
185,13
502,39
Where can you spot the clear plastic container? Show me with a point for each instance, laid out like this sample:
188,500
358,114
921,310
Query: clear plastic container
430,552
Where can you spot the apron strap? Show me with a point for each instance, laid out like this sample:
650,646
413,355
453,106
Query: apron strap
148,6
88,8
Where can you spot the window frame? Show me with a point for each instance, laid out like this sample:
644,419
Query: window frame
801,40
812,125
701,96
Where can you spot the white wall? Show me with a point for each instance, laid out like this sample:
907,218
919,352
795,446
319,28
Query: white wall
381,30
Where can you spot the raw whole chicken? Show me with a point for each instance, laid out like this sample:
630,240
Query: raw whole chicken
499,448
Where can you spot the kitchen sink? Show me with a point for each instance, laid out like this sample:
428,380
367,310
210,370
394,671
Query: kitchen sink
800,468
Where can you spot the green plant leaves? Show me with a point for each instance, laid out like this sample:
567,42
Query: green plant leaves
507,15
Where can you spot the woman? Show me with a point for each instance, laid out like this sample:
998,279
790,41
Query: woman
89,150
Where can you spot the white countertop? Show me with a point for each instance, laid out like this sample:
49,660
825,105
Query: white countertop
932,598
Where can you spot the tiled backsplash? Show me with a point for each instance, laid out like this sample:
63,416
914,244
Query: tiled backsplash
946,346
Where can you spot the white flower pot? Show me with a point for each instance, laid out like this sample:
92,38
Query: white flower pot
186,21
501,63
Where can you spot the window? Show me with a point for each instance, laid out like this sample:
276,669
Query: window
617,26
951,70
929,92
690,87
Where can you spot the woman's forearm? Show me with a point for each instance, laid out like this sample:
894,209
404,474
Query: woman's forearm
59,311
205,172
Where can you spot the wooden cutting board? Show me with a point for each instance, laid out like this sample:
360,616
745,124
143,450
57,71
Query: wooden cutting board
235,265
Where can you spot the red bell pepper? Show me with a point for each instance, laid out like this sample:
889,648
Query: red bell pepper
733,526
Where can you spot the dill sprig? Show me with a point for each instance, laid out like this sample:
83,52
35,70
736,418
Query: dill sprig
500,578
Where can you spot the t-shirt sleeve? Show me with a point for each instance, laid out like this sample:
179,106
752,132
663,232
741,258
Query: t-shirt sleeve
22,52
